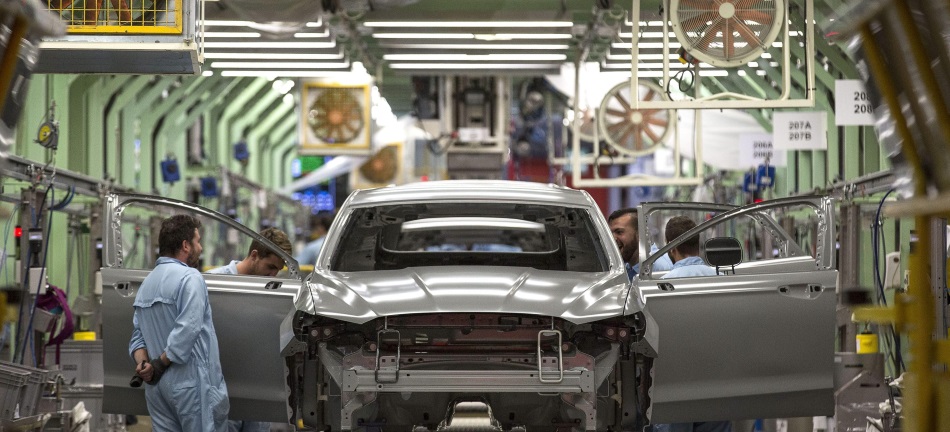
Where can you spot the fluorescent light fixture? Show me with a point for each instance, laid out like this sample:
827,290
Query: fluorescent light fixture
225,23
648,45
474,57
231,34
467,223
629,57
317,23
645,35
207,73
518,24
278,65
492,47
323,34
513,36
291,45
423,36
629,22
476,66
288,73
271,56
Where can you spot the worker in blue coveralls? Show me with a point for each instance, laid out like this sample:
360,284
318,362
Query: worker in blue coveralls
173,341
623,225
319,227
260,261
688,263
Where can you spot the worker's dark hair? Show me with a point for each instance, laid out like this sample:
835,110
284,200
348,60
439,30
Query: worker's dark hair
277,237
675,228
321,220
622,212
175,230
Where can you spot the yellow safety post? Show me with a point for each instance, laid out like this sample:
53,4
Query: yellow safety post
913,312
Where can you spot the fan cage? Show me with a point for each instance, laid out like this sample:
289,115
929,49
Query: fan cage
727,33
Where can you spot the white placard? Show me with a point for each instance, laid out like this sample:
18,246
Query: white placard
754,148
799,130
852,105
663,161
473,134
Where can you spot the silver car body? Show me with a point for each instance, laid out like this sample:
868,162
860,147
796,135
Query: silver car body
751,345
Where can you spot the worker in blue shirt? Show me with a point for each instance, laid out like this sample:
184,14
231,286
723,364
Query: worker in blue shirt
173,339
319,226
260,261
687,263
623,225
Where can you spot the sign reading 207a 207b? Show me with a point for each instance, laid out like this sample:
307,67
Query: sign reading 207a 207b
799,130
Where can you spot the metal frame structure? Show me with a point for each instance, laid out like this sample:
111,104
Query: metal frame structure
577,159
117,203
736,100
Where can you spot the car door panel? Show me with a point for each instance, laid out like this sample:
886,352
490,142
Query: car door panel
727,350
247,313
247,316
755,343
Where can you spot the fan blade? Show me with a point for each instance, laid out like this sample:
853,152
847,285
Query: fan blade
697,22
650,95
616,127
710,34
637,138
728,47
702,5
91,16
122,11
658,122
62,4
747,34
653,136
626,136
623,102
745,4
757,16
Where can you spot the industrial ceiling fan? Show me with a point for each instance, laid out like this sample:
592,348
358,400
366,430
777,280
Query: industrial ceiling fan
336,115
726,33
113,12
631,131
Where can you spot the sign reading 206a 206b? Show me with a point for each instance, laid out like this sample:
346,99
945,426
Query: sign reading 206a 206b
800,130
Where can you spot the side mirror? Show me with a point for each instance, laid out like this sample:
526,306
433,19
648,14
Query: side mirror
723,252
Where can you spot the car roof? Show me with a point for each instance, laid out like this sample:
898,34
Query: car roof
472,190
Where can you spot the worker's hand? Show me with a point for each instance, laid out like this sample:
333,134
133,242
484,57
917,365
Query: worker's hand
158,369
145,371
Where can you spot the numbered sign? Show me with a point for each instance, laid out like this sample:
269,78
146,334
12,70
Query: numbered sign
852,107
755,148
799,130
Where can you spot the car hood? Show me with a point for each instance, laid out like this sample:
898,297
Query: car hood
362,296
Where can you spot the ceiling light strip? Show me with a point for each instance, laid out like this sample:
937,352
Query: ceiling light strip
492,47
515,24
286,73
270,56
473,66
470,57
271,45
279,65
231,34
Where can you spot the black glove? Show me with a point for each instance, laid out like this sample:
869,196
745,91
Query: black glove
158,369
